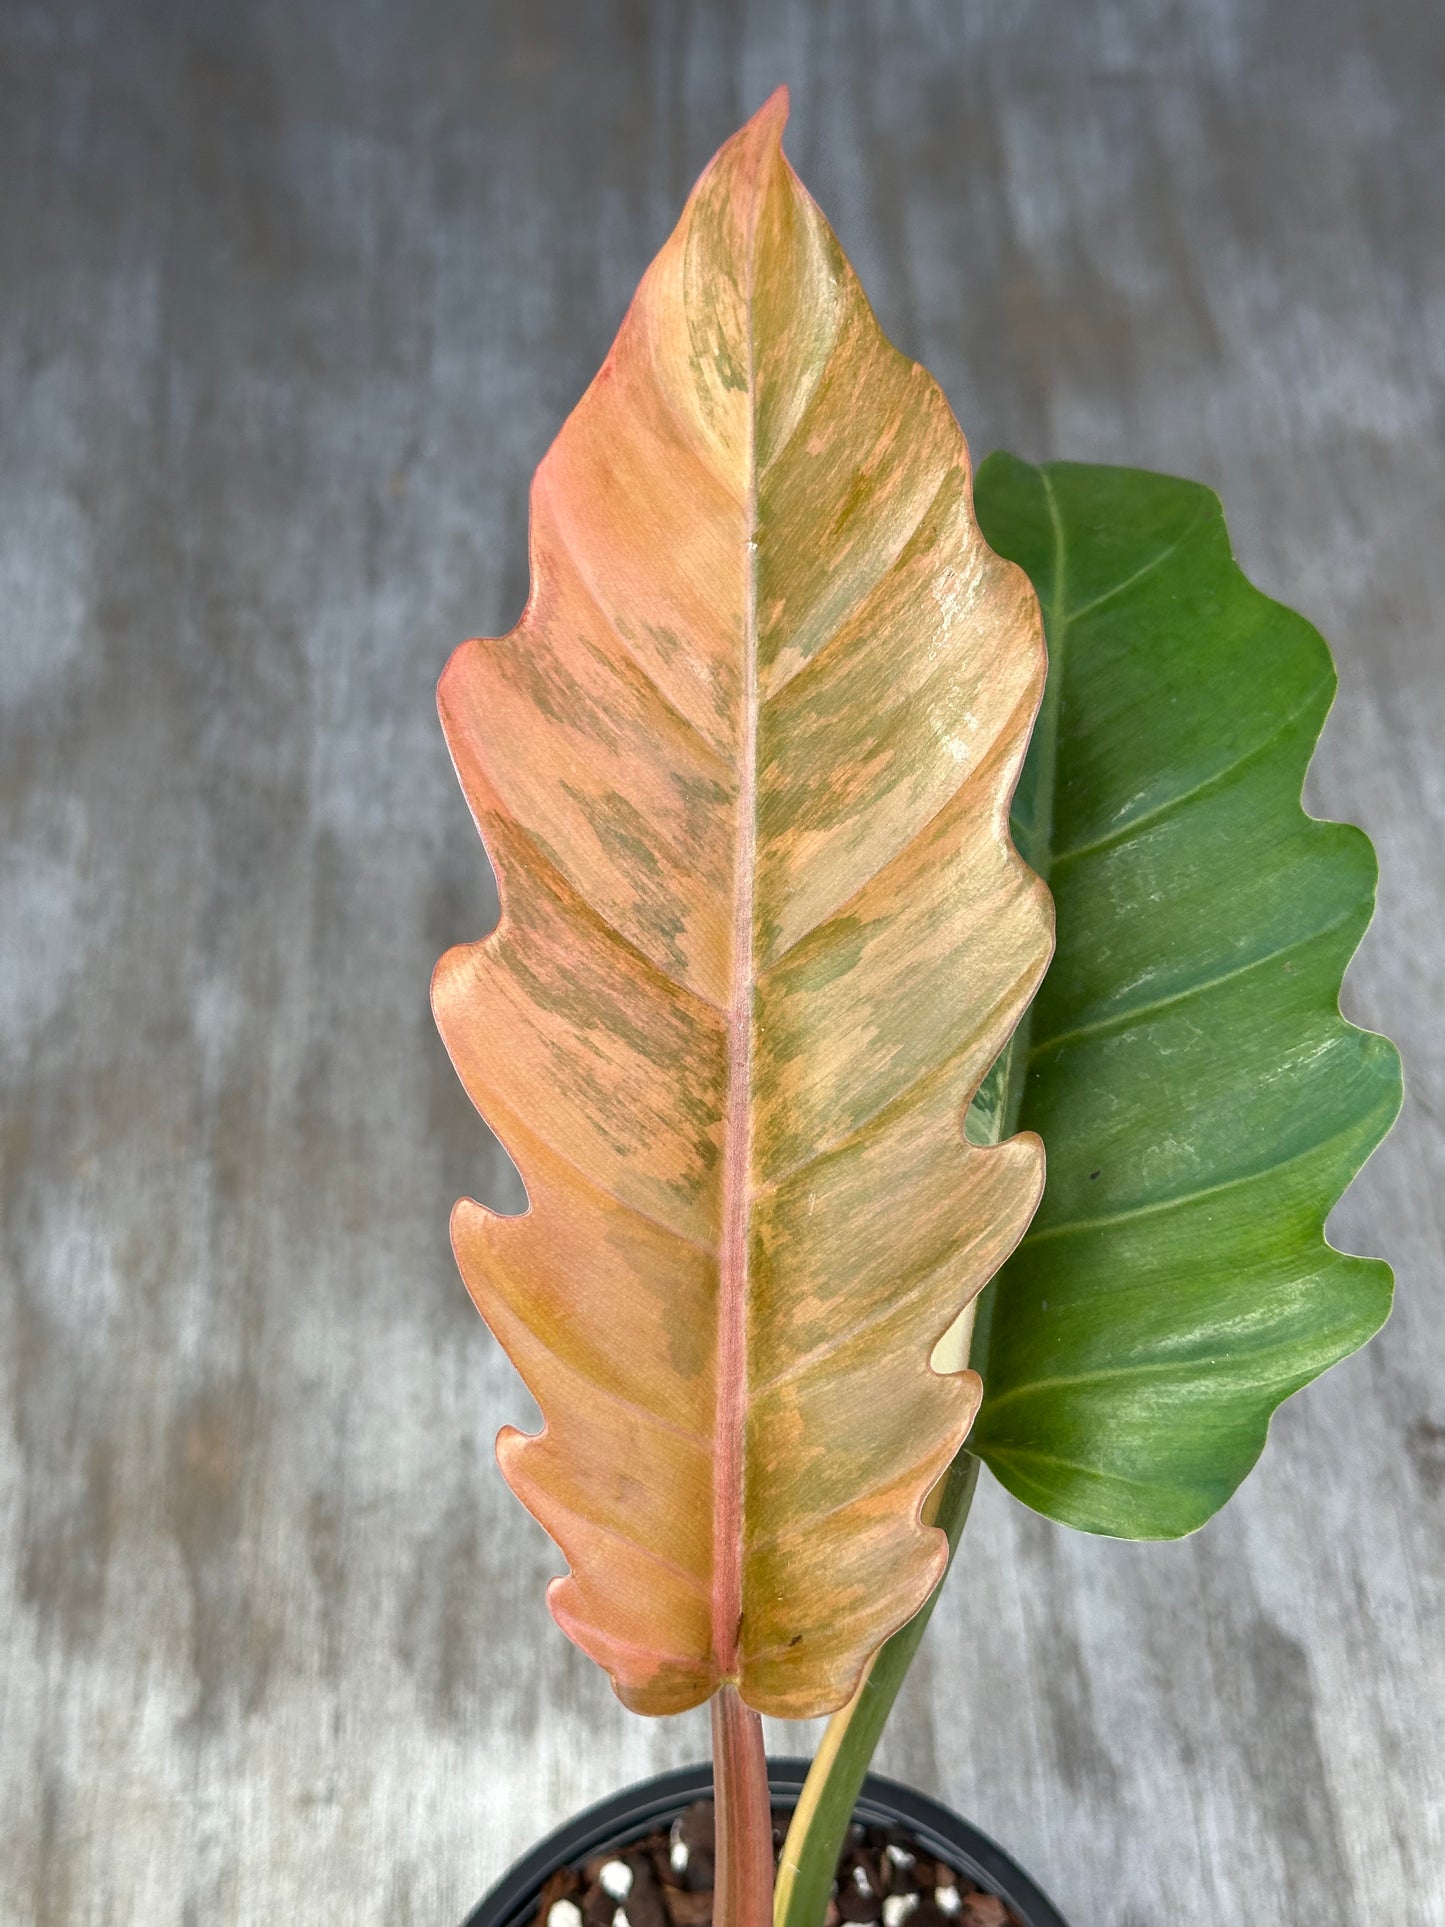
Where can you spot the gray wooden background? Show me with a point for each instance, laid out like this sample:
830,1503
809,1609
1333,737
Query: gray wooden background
292,297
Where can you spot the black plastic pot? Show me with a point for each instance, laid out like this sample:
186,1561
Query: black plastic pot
656,1803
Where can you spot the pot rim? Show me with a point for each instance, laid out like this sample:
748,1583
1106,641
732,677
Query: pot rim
637,1810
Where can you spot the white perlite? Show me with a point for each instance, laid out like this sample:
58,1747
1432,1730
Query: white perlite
616,1880
946,1900
564,1913
677,1851
897,1908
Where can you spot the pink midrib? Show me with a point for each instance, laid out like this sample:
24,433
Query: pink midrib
732,1346
733,1255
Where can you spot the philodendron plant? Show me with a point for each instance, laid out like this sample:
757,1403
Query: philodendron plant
786,801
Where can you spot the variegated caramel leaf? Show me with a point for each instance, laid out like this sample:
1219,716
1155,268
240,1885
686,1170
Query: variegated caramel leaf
743,768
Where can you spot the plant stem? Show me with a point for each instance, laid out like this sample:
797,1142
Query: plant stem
743,1882
830,1792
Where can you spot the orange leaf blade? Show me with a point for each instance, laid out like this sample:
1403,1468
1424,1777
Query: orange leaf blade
743,768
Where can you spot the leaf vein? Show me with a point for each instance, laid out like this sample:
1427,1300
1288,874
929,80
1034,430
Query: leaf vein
1147,818
566,547
889,1309
1069,1465
865,595
515,827
1145,568
1004,739
701,1440
490,1110
589,1522
892,1104
1182,1198
1119,1019
790,1528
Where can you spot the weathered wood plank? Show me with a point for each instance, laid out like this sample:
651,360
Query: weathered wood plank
294,298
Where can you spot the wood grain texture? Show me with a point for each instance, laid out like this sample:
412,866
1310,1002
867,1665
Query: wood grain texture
292,299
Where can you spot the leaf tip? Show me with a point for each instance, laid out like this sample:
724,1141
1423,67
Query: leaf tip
758,143
773,114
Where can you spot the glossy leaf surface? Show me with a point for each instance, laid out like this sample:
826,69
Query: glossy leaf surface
1202,1101
743,769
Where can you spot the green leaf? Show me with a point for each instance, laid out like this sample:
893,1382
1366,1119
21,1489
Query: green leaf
1202,1102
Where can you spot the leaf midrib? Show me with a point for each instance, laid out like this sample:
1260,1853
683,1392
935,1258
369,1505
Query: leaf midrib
729,1470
